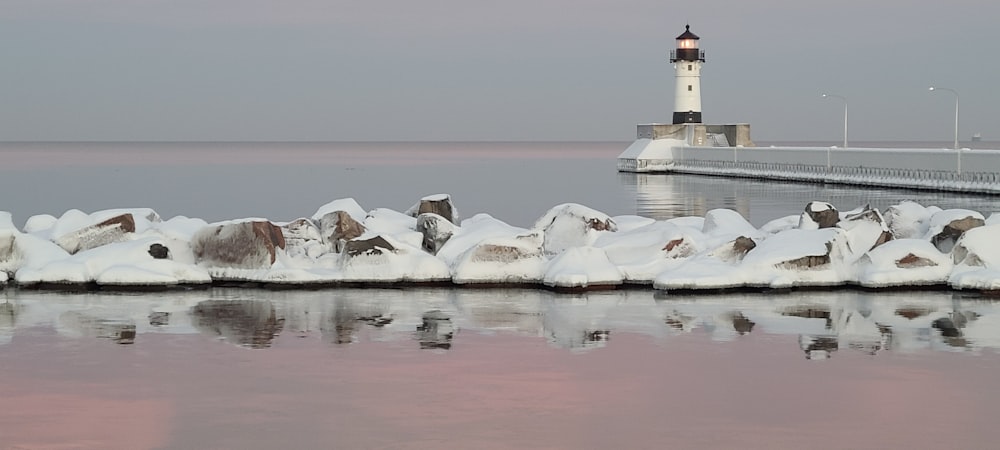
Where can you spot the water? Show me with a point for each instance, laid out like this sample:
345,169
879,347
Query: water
431,368
514,182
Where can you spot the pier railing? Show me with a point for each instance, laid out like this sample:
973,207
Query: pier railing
934,169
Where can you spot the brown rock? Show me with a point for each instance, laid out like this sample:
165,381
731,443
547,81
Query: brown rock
107,232
678,248
809,261
869,215
245,245
911,261
826,218
337,227
437,204
373,246
946,239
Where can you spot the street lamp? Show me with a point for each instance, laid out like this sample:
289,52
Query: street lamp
932,88
845,113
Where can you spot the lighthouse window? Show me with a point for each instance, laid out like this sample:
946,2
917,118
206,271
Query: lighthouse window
689,88
689,67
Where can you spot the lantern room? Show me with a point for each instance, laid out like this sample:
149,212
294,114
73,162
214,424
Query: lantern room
687,47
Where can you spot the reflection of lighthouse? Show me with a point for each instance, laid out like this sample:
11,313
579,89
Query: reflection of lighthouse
687,59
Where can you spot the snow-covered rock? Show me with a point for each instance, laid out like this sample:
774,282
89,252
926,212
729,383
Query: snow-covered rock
572,225
582,267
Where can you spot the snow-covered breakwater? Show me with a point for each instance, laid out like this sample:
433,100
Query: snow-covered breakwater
570,247
961,170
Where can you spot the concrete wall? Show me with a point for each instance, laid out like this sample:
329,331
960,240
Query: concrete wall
949,170
695,133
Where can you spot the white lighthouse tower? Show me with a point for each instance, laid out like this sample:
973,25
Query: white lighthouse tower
687,59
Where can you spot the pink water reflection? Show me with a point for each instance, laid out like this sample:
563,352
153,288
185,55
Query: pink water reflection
488,391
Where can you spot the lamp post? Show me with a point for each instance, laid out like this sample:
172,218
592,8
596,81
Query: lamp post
932,88
845,113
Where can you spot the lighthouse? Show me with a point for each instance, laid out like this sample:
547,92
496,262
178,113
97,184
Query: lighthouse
687,59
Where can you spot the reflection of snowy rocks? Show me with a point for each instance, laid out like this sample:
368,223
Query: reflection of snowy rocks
252,324
435,331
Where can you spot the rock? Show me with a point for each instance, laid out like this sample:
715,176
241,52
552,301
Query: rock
242,245
439,204
109,231
679,248
978,247
726,222
337,227
865,230
159,251
819,215
373,246
735,250
515,259
572,225
302,238
436,231
911,261
808,261
945,240
907,220
8,258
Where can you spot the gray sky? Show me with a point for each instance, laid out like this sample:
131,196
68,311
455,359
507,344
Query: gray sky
471,70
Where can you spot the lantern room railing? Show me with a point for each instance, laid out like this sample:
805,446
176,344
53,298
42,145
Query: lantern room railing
687,54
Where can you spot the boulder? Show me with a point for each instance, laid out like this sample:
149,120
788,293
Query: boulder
911,261
502,260
907,220
819,215
436,230
159,251
439,204
242,245
372,246
949,234
735,250
114,229
572,225
978,247
336,227
679,248
302,238
866,230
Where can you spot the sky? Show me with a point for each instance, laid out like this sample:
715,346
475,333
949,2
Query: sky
444,70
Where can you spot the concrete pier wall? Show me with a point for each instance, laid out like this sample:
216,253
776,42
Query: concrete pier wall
933,169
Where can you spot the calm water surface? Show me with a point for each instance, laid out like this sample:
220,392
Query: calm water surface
433,368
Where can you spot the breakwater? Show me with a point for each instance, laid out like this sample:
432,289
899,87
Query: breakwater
961,170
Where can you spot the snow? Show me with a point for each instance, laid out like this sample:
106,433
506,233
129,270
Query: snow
571,246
